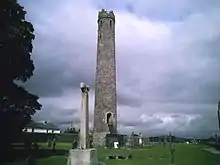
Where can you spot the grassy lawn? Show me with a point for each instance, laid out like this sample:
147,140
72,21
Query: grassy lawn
184,155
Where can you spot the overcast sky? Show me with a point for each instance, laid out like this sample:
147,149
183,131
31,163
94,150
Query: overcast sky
167,53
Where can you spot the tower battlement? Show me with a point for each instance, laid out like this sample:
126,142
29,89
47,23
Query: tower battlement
106,14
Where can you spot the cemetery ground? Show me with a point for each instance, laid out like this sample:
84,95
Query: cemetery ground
185,154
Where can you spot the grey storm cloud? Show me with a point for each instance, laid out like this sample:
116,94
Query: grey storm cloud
147,121
167,62
58,116
56,74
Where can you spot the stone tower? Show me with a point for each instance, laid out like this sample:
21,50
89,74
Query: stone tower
105,115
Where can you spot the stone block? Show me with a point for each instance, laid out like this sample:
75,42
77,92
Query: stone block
83,157
99,139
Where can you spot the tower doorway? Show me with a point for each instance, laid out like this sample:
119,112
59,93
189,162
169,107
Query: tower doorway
109,122
108,117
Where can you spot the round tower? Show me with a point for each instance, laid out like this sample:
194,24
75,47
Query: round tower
105,111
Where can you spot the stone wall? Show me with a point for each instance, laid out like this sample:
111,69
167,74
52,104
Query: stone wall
99,139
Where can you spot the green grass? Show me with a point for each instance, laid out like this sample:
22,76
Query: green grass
53,160
184,155
65,146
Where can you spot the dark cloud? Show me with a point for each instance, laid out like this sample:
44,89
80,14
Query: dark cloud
140,122
167,68
128,99
58,69
159,10
57,116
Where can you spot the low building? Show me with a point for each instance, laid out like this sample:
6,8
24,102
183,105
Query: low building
42,127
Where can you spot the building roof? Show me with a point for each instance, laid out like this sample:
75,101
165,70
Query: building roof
41,125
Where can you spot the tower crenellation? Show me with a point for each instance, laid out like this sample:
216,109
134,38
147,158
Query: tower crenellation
104,14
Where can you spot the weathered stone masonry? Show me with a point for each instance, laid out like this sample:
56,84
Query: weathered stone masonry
105,86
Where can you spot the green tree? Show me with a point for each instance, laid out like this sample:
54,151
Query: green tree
16,104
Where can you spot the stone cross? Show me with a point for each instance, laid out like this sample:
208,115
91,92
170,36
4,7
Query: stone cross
84,118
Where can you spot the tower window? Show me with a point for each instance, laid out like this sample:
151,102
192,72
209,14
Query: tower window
100,23
110,23
108,116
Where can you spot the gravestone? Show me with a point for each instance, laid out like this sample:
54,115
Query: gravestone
129,156
110,139
134,140
84,155
129,142
140,140
116,144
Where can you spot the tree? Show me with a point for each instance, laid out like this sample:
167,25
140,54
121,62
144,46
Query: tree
16,104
